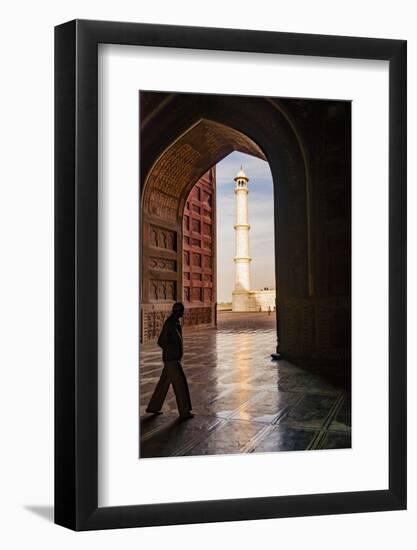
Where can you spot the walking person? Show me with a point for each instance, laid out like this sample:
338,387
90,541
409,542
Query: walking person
170,340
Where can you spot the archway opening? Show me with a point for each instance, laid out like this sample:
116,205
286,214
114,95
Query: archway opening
306,144
228,247
179,232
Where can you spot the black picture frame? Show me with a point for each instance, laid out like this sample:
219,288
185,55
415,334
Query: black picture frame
76,272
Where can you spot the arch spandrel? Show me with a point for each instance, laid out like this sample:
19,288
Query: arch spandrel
185,161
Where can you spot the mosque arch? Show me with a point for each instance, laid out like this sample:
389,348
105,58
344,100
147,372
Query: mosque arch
197,135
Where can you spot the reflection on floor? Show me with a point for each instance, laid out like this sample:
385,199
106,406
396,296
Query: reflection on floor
243,402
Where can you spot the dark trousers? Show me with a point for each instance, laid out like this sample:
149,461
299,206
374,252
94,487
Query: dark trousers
171,374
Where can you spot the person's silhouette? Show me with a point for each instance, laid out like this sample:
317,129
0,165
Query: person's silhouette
170,340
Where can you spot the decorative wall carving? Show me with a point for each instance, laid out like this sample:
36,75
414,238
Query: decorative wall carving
152,320
207,198
196,259
163,238
162,264
162,205
198,281
161,290
199,316
196,294
208,295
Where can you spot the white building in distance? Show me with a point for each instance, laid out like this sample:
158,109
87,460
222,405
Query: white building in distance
243,298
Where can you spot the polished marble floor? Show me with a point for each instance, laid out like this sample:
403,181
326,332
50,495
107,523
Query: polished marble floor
243,402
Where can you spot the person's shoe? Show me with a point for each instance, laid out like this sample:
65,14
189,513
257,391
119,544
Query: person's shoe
150,411
186,416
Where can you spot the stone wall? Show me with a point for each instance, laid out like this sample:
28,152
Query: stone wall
199,252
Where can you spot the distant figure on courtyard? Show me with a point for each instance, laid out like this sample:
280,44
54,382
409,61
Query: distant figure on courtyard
269,310
170,340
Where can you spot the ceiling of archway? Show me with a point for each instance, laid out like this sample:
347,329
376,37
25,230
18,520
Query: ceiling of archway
186,160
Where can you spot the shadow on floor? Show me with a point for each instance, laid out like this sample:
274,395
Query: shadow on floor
45,512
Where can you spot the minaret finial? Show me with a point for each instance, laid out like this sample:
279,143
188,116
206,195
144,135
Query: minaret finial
241,175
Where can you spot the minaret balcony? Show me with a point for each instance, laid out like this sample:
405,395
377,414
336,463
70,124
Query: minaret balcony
242,225
242,259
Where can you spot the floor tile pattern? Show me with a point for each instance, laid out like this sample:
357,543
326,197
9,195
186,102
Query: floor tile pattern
243,402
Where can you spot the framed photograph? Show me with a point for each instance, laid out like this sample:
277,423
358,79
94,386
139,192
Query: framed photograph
230,252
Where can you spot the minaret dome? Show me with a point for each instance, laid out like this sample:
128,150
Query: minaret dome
241,178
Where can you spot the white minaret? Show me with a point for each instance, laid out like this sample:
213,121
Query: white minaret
242,259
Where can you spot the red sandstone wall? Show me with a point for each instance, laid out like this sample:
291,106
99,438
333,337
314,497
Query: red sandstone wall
199,252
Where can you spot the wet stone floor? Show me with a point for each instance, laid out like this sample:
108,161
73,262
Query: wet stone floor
243,402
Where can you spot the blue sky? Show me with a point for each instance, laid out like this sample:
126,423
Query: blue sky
261,219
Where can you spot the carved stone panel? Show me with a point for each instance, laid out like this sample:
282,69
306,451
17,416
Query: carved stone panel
193,317
196,259
163,205
152,320
161,237
162,264
161,290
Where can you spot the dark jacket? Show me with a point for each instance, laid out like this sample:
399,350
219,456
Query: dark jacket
170,340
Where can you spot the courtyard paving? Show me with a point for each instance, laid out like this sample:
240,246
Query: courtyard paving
243,402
